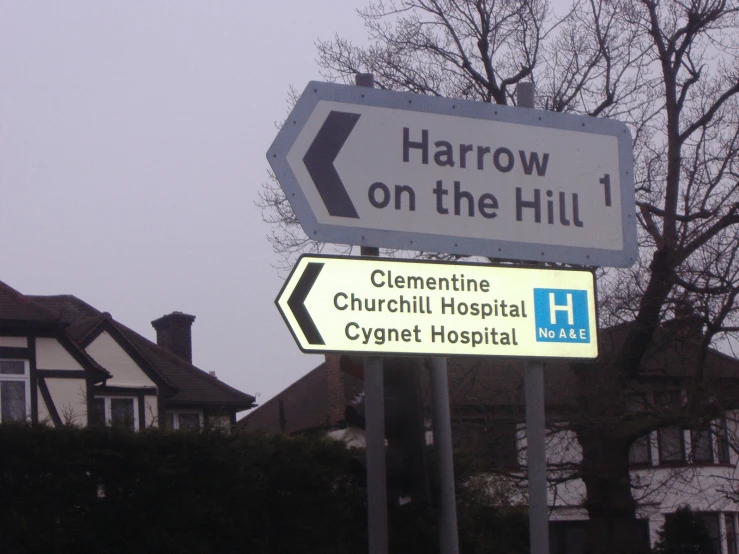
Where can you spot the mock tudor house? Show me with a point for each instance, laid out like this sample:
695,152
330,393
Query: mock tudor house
670,467
64,362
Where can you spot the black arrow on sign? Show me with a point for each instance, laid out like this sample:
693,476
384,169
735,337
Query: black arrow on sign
297,302
319,161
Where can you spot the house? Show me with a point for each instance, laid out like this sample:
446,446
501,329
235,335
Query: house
63,361
672,466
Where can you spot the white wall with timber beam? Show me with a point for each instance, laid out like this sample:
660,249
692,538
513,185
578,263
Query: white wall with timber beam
70,399
14,342
61,389
50,354
125,371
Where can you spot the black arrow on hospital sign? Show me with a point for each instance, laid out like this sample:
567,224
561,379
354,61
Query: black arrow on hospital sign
296,302
319,161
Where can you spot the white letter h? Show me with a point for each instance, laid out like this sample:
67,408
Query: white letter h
567,307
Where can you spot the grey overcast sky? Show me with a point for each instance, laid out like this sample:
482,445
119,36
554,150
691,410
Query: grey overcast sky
133,137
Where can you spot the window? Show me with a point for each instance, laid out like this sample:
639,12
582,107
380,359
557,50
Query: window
183,420
722,442
117,411
709,442
640,452
671,445
731,534
122,412
710,520
567,537
14,393
671,441
701,444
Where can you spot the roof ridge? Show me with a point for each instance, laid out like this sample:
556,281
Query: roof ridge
93,322
35,297
27,301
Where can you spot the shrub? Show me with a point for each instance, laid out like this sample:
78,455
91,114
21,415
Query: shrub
109,491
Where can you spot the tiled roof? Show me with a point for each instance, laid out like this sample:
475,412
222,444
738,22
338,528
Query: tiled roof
491,381
498,383
65,307
14,307
18,311
192,385
304,406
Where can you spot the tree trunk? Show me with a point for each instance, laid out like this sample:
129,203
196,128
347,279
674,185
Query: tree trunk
613,527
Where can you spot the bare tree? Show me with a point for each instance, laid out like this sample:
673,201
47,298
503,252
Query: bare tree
685,153
670,70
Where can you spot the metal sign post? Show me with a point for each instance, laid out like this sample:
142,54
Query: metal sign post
374,399
536,457
448,533
536,454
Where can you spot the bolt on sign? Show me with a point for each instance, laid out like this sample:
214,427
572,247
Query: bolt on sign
382,306
399,170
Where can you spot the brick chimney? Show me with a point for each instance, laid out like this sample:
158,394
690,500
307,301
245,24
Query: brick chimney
174,334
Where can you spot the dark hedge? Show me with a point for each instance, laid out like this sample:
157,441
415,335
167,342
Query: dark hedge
107,490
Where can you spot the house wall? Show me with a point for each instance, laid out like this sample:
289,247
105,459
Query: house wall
44,416
52,355
125,371
14,342
659,489
220,422
70,400
68,392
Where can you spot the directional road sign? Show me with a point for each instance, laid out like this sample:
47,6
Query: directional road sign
382,306
390,169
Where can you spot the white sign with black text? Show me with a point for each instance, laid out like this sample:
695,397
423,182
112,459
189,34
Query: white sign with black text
381,306
389,169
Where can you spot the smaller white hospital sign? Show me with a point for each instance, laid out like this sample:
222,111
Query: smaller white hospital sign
382,306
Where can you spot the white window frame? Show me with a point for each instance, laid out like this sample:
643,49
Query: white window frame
726,535
714,429
176,417
25,378
109,412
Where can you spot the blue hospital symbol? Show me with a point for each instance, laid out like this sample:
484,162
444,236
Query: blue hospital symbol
561,315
